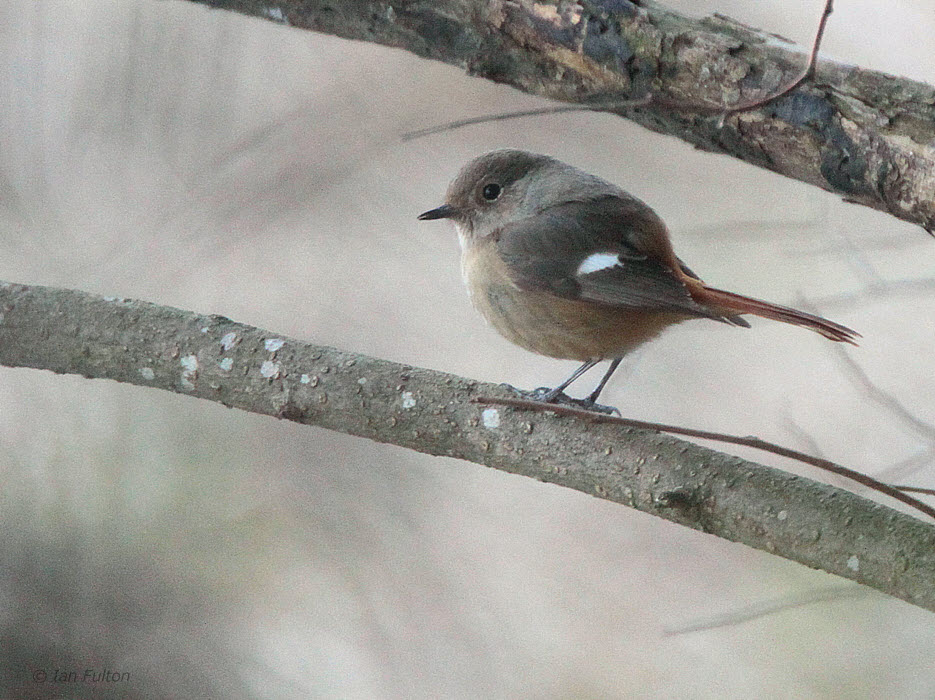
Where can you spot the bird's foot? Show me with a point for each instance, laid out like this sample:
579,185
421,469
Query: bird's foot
547,395
591,405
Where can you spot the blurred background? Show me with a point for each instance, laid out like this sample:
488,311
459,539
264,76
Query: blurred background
229,165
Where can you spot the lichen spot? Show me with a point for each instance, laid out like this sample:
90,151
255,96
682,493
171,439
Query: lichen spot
362,381
305,379
275,14
853,563
226,364
408,400
269,369
490,418
228,340
147,373
274,344
782,515
189,371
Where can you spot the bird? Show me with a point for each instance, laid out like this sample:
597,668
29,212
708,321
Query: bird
568,265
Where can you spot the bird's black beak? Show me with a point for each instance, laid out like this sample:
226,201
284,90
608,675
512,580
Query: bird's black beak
443,212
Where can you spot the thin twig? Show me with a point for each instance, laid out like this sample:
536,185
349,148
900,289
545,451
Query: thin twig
745,441
878,292
770,607
911,463
916,489
806,73
907,466
450,126
886,399
724,112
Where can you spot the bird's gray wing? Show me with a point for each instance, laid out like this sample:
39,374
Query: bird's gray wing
610,251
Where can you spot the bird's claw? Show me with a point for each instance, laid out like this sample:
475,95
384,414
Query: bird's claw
598,407
548,395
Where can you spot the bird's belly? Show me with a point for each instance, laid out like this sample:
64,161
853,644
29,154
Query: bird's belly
568,329
551,325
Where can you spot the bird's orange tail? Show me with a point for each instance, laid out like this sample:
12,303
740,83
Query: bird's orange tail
734,304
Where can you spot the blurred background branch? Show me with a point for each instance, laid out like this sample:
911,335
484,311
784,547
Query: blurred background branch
240,366
862,134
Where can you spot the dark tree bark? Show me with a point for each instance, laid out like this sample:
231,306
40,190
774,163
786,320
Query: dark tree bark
865,135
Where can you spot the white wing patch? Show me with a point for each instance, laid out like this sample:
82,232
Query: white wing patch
597,262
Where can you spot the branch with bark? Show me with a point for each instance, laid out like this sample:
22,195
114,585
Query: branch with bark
214,358
862,134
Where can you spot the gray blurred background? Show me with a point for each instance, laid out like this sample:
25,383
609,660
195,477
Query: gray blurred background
228,165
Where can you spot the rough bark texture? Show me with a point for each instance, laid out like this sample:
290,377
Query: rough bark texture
214,358
865,135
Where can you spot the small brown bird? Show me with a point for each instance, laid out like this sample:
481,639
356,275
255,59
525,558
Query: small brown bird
568,265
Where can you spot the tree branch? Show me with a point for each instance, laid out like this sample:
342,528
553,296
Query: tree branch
862,134
214,358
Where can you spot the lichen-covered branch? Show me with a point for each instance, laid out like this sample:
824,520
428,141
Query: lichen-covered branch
214,358
864,135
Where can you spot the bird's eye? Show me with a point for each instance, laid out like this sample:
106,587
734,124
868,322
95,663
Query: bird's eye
491,191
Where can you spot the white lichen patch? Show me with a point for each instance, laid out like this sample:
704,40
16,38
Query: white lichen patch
270,369
228,340
147,373
274,344
1,317
189,371
305,379
275,14
205,329
491,418
853,563
782,515
226,364
361,381
408,399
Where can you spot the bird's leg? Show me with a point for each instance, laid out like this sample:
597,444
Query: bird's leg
554,395
591,401
558,395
